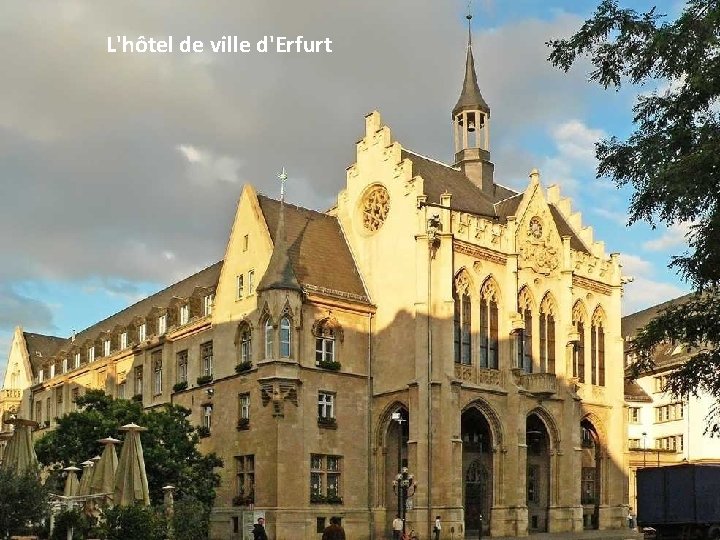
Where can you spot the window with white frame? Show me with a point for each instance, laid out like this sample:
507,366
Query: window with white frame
184,314
634,415
123,340
285,337
121,389
634,444
208,301
245,343
207,411
162,324
325,471
326,405
268,338
206,359
41,375
91,354
106,347
240,286
77,360
64,365
182,366
52,370
324,344
251,281
139,381
244,406
142,332
157,366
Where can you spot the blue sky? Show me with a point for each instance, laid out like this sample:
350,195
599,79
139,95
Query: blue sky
119,173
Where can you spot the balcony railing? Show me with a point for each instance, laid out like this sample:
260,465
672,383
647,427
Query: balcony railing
478,375
539,384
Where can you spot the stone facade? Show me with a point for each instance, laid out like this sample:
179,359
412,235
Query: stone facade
489,319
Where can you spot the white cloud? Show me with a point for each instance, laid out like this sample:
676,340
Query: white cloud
645,290
634,265
675,235
619,218
205,166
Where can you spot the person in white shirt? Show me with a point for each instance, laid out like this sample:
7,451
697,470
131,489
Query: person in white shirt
437,528
397,527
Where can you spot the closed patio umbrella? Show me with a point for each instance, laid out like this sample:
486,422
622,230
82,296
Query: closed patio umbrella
6,436
20,453
84,488
103,477
72,484
131,485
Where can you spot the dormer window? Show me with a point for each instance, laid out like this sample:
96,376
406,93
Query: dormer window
184,314
41,375
142,332
106,347
52,370
123,341
208,301
162,324
64,365
77,360
91,354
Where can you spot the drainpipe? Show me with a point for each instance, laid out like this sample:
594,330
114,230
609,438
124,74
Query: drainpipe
371,470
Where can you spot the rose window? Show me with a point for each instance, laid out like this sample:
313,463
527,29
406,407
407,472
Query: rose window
375,208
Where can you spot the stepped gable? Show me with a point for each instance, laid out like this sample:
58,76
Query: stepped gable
440,178
564,229
319,255
41,347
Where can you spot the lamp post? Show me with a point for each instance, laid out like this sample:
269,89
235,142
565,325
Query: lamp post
404,486
644,435
397,417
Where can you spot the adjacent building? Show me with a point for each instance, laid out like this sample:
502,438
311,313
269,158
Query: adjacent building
432,319
663,430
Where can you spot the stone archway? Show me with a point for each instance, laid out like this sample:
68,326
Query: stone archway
395,437
591,473
477,463
538,477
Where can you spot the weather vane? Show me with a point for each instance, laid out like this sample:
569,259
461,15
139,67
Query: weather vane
469,10
283,178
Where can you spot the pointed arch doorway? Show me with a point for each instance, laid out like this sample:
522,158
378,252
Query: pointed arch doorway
538,478
591,474
477,471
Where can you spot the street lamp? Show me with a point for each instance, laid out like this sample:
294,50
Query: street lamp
397,417
404,486
644,435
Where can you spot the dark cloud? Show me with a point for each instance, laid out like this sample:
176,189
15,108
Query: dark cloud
15,307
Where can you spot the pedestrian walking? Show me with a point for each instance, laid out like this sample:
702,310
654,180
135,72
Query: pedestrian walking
334,531
397,527
437,528
259,530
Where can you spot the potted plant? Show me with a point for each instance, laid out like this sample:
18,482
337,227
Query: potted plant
327,422
242,367
330,365
137,397
203,431
180,386
243,423
204,379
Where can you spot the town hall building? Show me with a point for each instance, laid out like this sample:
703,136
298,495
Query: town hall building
431,319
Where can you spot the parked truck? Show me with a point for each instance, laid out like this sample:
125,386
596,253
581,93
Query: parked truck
679,501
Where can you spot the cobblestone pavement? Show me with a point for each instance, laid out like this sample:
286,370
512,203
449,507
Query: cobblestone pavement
618,534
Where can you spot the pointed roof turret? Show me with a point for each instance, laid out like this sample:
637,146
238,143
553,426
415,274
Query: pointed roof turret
280,273
470,97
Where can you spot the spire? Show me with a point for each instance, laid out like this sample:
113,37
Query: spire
470,97
280,273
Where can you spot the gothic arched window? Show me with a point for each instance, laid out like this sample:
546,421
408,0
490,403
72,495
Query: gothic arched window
579,351
462,321
285,337
268,338
547,335
597,349
488,327
245,343
525,352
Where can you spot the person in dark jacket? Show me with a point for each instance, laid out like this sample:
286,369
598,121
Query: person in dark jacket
334,531
259,530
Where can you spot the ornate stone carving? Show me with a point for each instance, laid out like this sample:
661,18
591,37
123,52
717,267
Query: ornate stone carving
479,252
539,245
476,375
592,285
278,392
375,208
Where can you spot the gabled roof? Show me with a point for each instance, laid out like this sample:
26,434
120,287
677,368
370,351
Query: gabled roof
41,347
318,253
635,393
630,324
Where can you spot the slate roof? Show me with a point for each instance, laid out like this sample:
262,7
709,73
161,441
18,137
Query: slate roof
635,321
41,347
49,346
468,197
634,392
470,96
318,252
